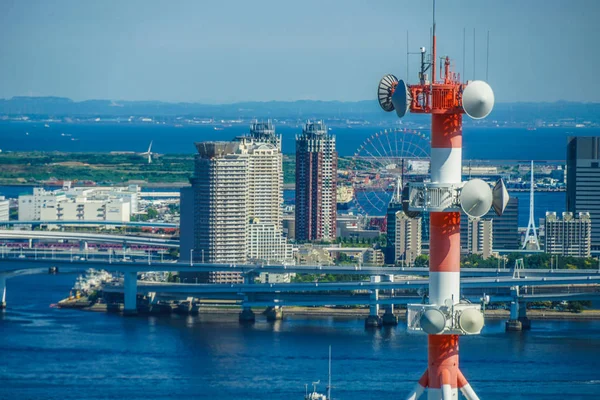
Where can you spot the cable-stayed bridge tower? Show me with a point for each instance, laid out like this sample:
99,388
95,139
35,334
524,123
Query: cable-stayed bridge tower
531,238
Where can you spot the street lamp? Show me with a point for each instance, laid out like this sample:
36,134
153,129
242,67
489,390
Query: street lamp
192,257
202,256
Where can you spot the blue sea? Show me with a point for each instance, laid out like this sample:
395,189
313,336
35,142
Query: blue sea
54,354
478,143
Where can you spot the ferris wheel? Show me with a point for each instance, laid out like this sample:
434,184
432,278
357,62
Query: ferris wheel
383,164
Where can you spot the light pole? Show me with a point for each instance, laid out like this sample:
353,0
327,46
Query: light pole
202,256
192,257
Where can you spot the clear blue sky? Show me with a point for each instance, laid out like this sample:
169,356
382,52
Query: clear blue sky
227,51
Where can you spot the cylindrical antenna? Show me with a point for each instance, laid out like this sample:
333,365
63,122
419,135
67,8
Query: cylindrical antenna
473,53
487,57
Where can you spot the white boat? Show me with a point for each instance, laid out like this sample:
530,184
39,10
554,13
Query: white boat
314,395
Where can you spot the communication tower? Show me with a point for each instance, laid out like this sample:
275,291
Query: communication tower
446,317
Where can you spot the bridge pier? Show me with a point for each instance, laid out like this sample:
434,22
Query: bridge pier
373,320
513,324
247,315
2,292
525,322
274,313
130,293
389,318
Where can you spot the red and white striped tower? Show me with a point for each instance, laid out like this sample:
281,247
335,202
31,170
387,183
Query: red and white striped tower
445,317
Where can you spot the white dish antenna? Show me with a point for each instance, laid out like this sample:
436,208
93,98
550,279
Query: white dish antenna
401,99
433,321
476,198
500,197
478,99
471,321
384,92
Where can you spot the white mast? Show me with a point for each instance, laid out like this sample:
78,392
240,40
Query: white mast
531,235
329,384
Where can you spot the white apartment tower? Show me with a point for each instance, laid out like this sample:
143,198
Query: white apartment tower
569,236
480,237
237,197
407,239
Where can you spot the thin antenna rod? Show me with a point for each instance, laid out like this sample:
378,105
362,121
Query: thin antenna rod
433,50
407,63
464,66
329,385
487,57
473,53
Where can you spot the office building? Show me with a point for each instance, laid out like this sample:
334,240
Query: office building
569,236
4,209
583,181
316,176
505,228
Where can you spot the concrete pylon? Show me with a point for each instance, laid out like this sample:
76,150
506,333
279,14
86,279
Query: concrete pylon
274,313
525,322
247,315
130,293
514,324
374,320
389,318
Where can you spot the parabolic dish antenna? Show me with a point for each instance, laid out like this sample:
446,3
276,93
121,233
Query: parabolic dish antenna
385,89
476,198
478,99
401,99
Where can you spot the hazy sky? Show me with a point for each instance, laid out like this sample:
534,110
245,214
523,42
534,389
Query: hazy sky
226,51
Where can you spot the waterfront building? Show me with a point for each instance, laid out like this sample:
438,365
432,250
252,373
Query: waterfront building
316,177
406,234
79,204
4,209
569,236
583,181
233,211
505,228
476,235
394,207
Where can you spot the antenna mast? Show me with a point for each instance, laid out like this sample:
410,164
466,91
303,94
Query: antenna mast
433,50
329,384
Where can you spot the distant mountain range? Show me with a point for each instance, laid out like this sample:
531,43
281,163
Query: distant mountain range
59,107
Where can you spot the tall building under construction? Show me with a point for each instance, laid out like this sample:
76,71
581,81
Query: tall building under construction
316,176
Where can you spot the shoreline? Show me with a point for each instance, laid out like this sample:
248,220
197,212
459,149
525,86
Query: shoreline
586,315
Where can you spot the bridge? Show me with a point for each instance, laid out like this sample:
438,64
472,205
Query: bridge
388,286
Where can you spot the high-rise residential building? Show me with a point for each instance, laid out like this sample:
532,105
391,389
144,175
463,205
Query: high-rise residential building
394,207
316,177
583,181
4,209
406,234
233,210
569,236
477,235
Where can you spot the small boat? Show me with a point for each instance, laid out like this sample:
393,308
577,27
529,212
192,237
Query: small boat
314,395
